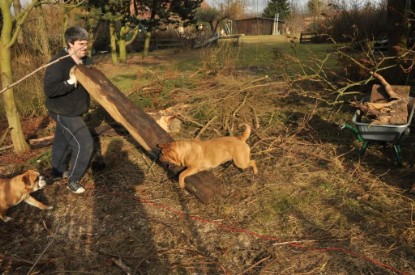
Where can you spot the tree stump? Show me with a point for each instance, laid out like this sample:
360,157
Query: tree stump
204,185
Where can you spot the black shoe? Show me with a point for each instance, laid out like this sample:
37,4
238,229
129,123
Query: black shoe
75,187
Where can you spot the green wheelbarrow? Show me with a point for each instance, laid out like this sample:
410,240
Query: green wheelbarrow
368,133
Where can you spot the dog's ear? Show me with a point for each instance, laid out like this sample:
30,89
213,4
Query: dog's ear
30,177
27,177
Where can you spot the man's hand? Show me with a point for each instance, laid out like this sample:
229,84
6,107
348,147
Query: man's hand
72,78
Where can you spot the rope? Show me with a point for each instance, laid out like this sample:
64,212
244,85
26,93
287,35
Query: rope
258,235
38,69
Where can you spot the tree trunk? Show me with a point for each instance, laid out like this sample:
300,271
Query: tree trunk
66,12
17,10
123,50
146,44
13,118
42,34
141,127
113,39
126,32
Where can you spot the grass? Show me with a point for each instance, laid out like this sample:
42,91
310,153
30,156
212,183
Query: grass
307,196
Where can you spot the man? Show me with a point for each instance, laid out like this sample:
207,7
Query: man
66,102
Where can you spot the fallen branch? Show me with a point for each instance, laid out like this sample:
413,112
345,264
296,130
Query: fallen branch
205,127
15,259
41,142
118,262
7,147
38,69
388,88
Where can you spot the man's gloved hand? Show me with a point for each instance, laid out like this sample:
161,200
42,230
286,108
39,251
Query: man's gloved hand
72,78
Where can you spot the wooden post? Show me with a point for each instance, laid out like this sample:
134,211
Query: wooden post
141,127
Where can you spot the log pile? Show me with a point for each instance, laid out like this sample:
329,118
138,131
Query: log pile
388,105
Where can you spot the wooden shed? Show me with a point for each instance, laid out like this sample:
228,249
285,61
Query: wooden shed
255,26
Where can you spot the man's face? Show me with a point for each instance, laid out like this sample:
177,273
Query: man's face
79,47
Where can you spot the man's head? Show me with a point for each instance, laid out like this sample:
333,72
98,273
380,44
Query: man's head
77,39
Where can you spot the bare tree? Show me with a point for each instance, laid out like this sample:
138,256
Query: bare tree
42,33
17,6
10,29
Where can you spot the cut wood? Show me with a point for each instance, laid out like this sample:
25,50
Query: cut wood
204,185
388,104
388,88
41,142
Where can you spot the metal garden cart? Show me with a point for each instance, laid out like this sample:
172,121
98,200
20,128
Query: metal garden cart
369,133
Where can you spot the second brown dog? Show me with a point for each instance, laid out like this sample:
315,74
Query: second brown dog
18,189
198,155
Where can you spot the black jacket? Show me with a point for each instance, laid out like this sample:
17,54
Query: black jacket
63,98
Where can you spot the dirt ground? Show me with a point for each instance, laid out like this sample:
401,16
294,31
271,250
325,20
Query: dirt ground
314,207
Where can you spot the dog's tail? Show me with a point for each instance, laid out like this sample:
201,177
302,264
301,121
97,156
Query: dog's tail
247,132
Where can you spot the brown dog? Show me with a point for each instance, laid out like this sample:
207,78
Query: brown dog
18,189
197,155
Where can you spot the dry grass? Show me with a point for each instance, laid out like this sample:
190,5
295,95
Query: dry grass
302,214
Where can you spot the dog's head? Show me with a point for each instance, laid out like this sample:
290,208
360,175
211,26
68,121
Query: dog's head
33,180
169,154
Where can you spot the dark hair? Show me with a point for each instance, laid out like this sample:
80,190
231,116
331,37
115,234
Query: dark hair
73,34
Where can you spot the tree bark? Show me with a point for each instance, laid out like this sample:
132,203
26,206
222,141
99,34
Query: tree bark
42,34
126,32
113,40
13,118
17,10
146,44
141,127
66,12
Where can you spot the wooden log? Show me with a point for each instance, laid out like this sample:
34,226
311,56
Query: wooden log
204,185
388,104
378,93
388,88
41,142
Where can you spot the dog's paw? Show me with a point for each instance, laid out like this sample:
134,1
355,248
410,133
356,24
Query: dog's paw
6,219
49,208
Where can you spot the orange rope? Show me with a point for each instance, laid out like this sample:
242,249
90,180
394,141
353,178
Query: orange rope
261,236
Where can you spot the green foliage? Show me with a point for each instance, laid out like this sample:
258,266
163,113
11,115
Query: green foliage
111,8
165,12
42,161
181,82
186,10
202,114
124,82
282,7
141,102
